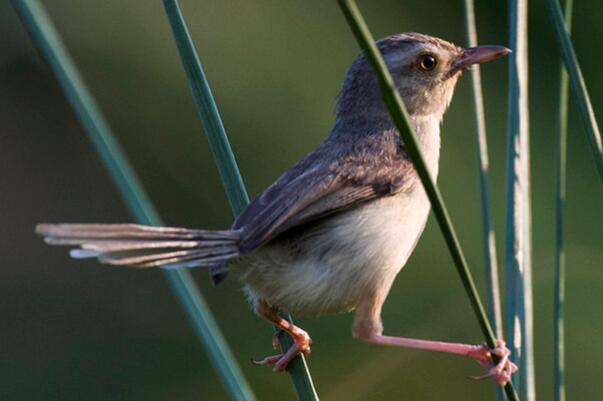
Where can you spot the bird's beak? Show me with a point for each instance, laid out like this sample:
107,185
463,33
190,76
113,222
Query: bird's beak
478,55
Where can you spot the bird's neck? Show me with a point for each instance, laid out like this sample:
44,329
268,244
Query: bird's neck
351,128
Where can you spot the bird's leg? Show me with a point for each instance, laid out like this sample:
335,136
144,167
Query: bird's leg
501,371
301,339
367,327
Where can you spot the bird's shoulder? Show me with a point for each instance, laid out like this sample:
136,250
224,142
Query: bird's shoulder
376,160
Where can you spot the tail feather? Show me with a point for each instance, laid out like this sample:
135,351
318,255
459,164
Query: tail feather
144,246
115,245
130,231
166,257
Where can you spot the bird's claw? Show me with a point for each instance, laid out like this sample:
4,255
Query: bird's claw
269,360
279,362
502,371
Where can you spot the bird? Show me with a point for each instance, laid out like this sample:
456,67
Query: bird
331,234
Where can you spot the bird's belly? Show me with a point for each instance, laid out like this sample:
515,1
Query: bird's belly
330,266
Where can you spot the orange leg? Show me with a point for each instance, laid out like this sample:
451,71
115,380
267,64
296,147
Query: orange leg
301,339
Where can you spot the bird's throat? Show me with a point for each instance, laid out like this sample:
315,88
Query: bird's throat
427,131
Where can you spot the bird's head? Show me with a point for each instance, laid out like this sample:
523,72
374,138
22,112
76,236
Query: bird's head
425,70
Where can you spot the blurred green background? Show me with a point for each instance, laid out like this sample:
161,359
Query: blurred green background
73,330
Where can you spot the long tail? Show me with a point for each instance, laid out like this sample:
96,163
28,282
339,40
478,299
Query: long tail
144,246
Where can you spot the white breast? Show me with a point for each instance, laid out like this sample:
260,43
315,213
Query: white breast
332,265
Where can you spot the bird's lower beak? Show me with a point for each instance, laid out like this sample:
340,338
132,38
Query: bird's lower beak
479,55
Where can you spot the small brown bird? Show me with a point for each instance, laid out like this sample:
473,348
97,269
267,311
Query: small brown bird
331,234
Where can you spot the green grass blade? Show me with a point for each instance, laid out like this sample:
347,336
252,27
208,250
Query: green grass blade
399,115
229,172
577,82
559,292
46,38
518,270
207,330
488,236
208,111
489,239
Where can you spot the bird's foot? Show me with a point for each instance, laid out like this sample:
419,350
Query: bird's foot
501,371
301,345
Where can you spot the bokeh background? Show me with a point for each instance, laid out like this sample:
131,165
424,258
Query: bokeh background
73,330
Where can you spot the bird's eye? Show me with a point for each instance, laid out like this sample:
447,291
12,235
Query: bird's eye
427,62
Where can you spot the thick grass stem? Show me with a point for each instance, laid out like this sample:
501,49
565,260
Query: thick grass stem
518,269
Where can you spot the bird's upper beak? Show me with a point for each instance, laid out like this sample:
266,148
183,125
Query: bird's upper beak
478,55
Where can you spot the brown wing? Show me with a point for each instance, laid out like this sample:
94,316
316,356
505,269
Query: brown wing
325,183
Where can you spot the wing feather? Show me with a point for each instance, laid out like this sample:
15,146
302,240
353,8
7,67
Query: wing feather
325,183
